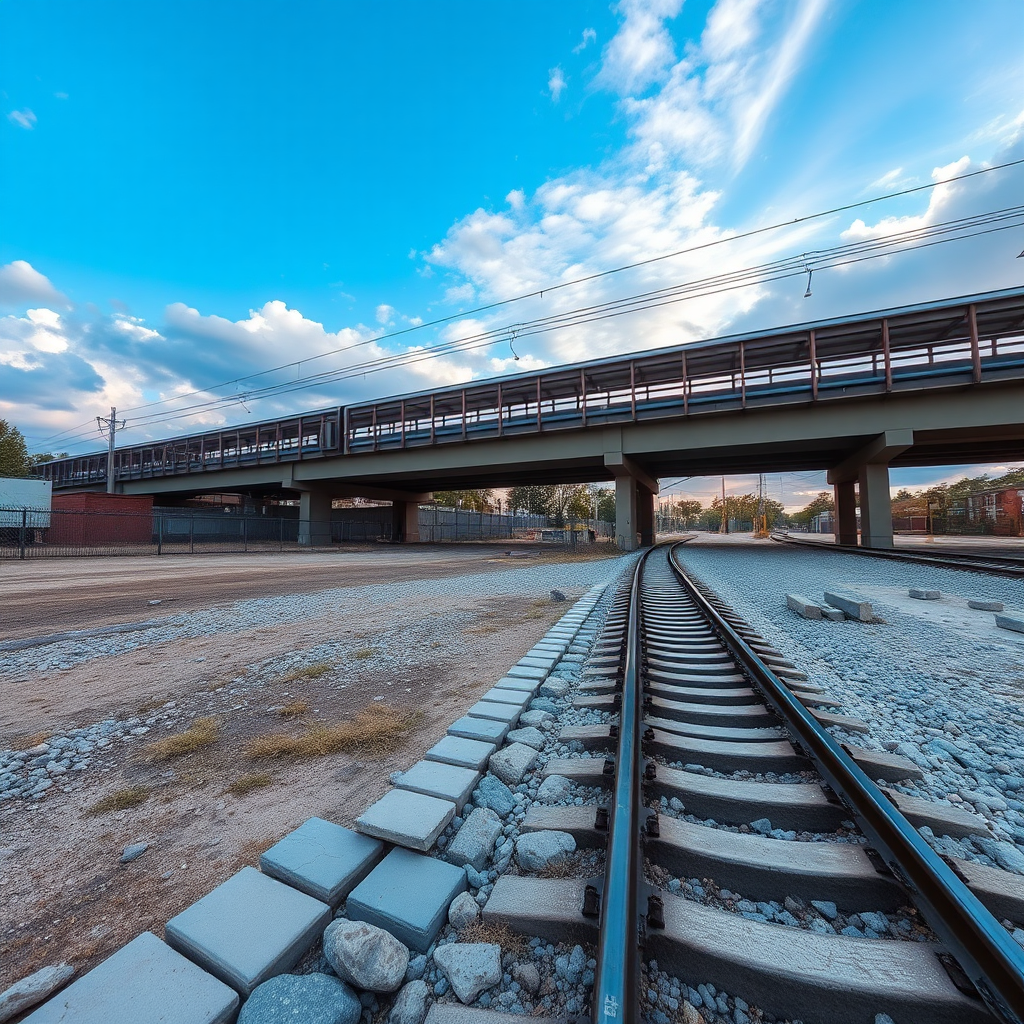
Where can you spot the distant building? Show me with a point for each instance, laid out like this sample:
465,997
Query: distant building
997,511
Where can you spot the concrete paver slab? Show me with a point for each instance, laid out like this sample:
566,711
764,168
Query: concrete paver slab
498,695
462,752
406,818
408,894
485,729
248,929
143,981
529,672
447,781
322,859
510,683
506,713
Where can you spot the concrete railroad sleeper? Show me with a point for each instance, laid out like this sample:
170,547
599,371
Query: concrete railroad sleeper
642,661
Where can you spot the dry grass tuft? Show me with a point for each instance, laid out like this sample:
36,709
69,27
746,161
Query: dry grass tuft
376,730
150,705
247,783
27,742
498,934
294,709
201,733
321,668
121,800
363,653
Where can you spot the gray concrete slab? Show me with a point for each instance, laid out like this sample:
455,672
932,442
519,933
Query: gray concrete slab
406,818
1010,622
408,894
248,929
447,781
521,685
802,606
529,672
507,714
453,1013
462,752
143,981
924,595
852,604
538,661
986,606
322,859
484,729
499,695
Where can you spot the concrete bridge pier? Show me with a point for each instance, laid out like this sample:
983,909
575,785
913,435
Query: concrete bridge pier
315,517
634,502
869,468
405,522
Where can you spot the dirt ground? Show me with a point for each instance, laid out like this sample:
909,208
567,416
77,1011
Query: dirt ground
63,893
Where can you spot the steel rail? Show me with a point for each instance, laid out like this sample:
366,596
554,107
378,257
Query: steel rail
617,978
995,566
986,953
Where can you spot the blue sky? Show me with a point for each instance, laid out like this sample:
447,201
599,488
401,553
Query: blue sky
192,192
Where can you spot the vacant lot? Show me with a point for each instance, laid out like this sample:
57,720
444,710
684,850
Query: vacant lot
269,689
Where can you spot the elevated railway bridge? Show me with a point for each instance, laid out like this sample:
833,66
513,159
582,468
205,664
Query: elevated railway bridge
932,384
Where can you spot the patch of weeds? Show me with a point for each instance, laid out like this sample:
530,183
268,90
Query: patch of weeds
498,934
363,653
131,796
247,783
294,709
321,668
201,733
150,705
376,730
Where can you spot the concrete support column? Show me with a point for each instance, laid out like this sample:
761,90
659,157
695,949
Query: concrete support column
875,506
626,513
645,515
405,522
315,517
846,512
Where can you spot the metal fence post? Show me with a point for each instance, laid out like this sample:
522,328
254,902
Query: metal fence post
280,531
159,535
245,533
21,532
191,535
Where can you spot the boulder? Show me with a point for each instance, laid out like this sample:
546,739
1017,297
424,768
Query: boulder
410,1006
555,789
554,688
365,956
528,977
544,704
495,794
463,911
512,762
33,989
470,967
474,842
536,719
536,851
311,998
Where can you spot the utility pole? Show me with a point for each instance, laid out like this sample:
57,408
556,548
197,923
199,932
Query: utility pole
725,516
110,426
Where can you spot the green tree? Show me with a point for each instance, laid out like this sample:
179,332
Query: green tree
14,460
824,502
41,457
606,505
531,500
474,501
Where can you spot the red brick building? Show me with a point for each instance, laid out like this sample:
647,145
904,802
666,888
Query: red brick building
90,519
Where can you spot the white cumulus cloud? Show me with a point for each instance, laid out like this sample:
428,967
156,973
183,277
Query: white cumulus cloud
556,84
23,118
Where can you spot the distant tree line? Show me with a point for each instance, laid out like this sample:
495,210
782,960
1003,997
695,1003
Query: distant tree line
14,457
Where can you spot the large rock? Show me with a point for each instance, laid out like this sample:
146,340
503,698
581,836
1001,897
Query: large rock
528,977
474,842
365,956
470,967
512,762
495,794
536,719
530,736
33,989
555,789
536,851
544,704
463,911
554,688
310,998
410,1005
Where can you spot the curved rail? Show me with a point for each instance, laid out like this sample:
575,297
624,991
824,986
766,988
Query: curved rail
988,955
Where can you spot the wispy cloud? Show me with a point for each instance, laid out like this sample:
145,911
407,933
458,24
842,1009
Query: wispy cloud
589,36
23,118
556,84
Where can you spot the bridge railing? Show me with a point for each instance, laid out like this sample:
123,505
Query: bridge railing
940,346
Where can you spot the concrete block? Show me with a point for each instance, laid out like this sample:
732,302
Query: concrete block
1008,622
143,981
538,661
322,859
248,929
497,695
453,1013
511,763
800,605
504,713
834,614
854,606
408,894
520,685
529,672
446,781
484,729
407,819
986,606
924,595
462,752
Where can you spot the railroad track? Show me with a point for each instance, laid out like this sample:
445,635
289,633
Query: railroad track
719,770
1012,567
